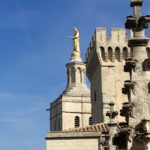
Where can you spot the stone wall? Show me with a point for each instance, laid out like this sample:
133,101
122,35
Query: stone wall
72,144
66,108
73,141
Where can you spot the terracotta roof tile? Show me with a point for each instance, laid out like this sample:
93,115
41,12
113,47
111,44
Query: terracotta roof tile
101,127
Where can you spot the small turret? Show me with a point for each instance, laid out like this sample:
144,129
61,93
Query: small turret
76,69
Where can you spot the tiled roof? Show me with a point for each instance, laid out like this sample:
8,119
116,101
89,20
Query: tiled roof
101,127
90,131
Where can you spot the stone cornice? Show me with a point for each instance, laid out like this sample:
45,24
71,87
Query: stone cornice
61,99
75,63
72,135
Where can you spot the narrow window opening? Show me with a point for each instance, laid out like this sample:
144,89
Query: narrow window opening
117,54
148,52
110,54
103,53
125,53
77,121
90,121
131,52
72,75
81,76
149,87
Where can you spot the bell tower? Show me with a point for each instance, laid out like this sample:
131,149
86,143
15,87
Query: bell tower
74,103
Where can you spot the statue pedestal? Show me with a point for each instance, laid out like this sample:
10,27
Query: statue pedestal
75,56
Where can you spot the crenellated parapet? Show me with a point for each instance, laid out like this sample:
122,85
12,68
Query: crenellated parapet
107,50
113,48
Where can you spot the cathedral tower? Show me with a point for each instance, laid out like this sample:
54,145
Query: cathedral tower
73,107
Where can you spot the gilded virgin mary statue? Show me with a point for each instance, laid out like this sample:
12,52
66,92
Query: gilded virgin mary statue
76,43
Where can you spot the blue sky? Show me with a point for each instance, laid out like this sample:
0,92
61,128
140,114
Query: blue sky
34,48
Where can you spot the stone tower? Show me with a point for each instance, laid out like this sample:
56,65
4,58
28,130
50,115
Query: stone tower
73,107
105,60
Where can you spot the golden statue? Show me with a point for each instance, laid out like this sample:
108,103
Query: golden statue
76,43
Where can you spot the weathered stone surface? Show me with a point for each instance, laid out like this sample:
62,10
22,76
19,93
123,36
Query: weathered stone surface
73,144
105,70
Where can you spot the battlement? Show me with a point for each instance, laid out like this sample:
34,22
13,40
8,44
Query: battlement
116,35
109,48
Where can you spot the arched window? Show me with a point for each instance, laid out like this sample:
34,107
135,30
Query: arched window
117,54
110,53
81,80
77,122
125,53
148,52
149,87
103,53
90,121
78,75
72,75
